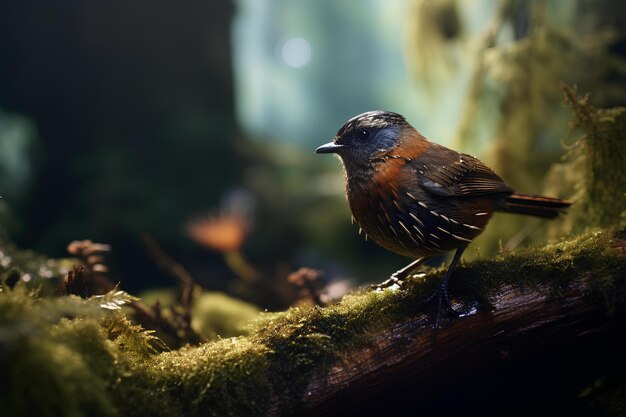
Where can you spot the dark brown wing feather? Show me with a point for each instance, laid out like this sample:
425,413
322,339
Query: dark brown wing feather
448,173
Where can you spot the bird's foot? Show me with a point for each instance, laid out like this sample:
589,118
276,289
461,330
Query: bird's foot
393,283
398,278
442,304
396,281
444,310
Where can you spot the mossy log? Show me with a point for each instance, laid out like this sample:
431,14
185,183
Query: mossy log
548,338
541,347
406,368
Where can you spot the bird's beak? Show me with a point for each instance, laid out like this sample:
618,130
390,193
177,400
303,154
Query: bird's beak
330,147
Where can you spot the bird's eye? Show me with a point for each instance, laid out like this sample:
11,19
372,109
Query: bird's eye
362,135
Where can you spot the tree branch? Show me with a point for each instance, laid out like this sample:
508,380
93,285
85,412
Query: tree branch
551,341
404,365
479,344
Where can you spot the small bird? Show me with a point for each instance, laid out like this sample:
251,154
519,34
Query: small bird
420,199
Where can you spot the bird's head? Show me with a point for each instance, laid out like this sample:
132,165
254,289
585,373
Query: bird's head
364,137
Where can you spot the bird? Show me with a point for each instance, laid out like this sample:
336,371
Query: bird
420,199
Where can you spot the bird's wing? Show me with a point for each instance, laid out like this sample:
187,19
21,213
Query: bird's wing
448,173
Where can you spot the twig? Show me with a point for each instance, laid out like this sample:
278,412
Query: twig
180,320
173,268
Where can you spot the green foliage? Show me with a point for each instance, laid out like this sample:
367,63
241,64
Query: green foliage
20,153
36,268
67,356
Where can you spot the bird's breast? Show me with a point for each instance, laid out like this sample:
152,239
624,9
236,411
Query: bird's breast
393,210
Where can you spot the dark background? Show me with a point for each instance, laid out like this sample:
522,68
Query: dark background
131,109
133,103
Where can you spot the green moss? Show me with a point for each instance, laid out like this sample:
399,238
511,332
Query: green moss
58,355
50,370
68,356
213,314
555,264
216,314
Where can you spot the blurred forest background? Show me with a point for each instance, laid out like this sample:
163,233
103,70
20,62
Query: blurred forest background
187,129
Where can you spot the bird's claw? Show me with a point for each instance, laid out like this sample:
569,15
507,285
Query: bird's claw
393,283
444,308
468,310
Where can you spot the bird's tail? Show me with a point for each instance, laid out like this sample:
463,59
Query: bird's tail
532,205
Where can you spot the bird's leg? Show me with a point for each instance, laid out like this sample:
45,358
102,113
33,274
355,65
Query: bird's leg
398,277
402,274
443,300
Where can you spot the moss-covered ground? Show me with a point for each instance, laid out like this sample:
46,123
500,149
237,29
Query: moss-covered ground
67,356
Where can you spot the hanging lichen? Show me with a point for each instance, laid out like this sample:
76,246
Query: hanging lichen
432,29
593,170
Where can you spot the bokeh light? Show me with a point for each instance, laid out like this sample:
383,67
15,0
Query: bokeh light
296,52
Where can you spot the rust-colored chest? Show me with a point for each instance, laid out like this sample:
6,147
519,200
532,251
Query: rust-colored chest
393,210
